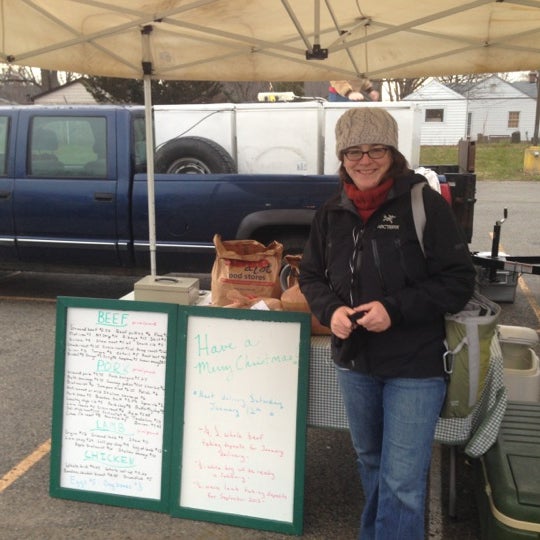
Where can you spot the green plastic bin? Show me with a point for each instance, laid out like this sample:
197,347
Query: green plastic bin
507,477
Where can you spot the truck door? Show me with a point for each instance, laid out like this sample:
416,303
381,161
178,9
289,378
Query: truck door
7,233
65,195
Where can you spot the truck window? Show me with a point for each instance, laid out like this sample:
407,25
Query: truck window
69,147
139,144
4,123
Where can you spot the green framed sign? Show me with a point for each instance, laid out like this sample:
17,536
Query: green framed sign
113,400
200,412
240,417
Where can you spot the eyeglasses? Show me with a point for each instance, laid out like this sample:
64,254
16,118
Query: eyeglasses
355,154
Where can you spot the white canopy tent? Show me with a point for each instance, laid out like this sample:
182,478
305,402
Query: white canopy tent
271,40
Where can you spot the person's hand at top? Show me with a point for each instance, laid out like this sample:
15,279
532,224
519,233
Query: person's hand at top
356,96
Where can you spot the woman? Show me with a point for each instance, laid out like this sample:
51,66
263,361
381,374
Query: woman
365,276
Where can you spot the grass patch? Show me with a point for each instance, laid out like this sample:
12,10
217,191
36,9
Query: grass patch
494,161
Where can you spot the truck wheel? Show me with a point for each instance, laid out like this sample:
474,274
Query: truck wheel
193,155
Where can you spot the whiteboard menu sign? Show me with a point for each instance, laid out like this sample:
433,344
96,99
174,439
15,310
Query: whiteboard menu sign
111,419
195,411
243,395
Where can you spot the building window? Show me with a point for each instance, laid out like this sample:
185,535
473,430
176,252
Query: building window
434,115
513,119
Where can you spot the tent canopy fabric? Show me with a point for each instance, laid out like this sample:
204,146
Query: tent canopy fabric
277,40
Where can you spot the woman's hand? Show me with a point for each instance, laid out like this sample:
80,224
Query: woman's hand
340,324
371,316
356,96
376,318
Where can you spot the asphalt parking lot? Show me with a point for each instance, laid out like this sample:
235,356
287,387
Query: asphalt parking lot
332,500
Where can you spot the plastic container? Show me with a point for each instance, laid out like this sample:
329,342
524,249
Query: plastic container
501,287
521,364
507,477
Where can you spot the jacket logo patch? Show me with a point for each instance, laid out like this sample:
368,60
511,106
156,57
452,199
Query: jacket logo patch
388,222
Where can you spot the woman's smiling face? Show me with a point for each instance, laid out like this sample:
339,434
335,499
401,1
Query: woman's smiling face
367,172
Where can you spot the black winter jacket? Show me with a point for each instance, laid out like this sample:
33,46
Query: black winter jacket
348,262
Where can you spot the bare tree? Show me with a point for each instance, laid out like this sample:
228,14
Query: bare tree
18,84
21,83
244,91
470,79
107,89
397,89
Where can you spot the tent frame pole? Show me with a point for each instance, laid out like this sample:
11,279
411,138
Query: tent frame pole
149,129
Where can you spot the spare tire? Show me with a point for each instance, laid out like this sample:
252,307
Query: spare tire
193,155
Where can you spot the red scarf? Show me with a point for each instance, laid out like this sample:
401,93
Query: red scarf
367,202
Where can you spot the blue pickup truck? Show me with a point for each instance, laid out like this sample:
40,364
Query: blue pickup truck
73,192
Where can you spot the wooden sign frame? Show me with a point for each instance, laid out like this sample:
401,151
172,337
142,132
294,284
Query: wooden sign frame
112,402
241,417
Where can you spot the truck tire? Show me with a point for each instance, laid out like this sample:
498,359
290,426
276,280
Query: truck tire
193,155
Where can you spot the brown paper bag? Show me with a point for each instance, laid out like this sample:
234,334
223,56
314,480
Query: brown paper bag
292,298
247,268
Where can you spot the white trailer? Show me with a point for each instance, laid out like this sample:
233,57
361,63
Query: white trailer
271,138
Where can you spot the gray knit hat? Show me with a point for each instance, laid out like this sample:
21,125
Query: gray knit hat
365,125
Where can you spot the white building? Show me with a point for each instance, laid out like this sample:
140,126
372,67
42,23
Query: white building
491,109
498,108
443,114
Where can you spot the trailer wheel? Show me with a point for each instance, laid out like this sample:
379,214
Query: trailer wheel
193,155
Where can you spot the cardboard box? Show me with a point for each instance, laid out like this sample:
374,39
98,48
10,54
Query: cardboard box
170,289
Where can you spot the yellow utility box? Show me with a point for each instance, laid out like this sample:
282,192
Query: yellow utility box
531,160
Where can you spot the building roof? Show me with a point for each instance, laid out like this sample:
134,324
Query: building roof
525,87
529,88
433,90
72,92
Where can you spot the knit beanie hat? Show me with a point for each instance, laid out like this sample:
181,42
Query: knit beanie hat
365,125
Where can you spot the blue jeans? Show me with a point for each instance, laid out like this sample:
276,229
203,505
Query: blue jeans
392,423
